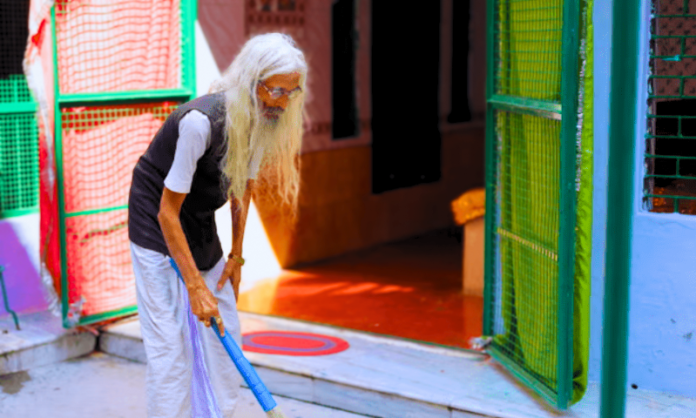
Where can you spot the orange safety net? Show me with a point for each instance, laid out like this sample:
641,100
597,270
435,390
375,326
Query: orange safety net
101,147
118,45
105,46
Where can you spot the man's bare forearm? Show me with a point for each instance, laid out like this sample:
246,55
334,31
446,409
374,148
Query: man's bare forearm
240,210
179,250
203,302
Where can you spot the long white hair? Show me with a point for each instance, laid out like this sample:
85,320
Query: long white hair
261,57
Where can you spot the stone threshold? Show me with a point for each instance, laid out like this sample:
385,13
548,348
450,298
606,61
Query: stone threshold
390,377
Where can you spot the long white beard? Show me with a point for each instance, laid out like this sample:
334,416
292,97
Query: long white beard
268,135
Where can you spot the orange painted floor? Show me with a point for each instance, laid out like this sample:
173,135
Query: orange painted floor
409,289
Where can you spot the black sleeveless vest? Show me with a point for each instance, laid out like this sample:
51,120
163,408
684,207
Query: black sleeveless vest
208,190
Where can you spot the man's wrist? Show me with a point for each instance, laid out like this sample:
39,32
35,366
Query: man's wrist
236,258
195,283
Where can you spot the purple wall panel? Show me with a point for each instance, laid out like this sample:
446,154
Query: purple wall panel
22,282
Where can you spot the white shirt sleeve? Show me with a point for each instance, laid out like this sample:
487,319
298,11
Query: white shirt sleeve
194,139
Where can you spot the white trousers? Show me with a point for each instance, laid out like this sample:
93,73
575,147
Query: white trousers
163,322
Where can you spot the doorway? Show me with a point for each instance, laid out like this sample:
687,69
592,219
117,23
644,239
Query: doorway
408,285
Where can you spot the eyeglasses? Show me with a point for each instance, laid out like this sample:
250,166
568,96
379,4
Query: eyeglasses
278,92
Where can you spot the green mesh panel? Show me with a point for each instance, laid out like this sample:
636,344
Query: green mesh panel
529,49
670,153
13,89
527,193
19,152
528,56
525,314
19,163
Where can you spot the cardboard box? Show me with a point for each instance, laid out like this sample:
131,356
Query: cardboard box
473,256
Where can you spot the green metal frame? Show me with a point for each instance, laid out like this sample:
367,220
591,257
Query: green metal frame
185,93
490,171
523,105
135,96
91,319
18,212
566,112
11,108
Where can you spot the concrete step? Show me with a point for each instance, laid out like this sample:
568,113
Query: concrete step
388,377
42,340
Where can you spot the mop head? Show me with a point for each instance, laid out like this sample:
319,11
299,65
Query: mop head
275,413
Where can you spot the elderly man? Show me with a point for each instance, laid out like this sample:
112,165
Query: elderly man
208,151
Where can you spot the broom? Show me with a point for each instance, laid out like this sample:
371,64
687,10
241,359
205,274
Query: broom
263,396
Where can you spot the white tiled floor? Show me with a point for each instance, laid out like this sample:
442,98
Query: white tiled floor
393,378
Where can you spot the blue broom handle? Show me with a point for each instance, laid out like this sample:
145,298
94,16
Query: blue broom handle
263,396
246,370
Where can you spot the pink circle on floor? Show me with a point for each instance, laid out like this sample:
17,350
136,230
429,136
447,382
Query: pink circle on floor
292,343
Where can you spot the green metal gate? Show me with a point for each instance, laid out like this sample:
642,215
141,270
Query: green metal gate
120,68
19,143
531,175
19,149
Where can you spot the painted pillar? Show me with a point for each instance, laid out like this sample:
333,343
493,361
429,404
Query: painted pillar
622,125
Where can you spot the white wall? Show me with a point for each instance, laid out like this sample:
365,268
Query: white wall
602,62
662,317
662,320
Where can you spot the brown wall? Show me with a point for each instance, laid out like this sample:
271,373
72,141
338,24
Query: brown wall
338,213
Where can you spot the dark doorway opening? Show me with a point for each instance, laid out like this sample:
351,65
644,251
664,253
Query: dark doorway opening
344,120
406,141
459,100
